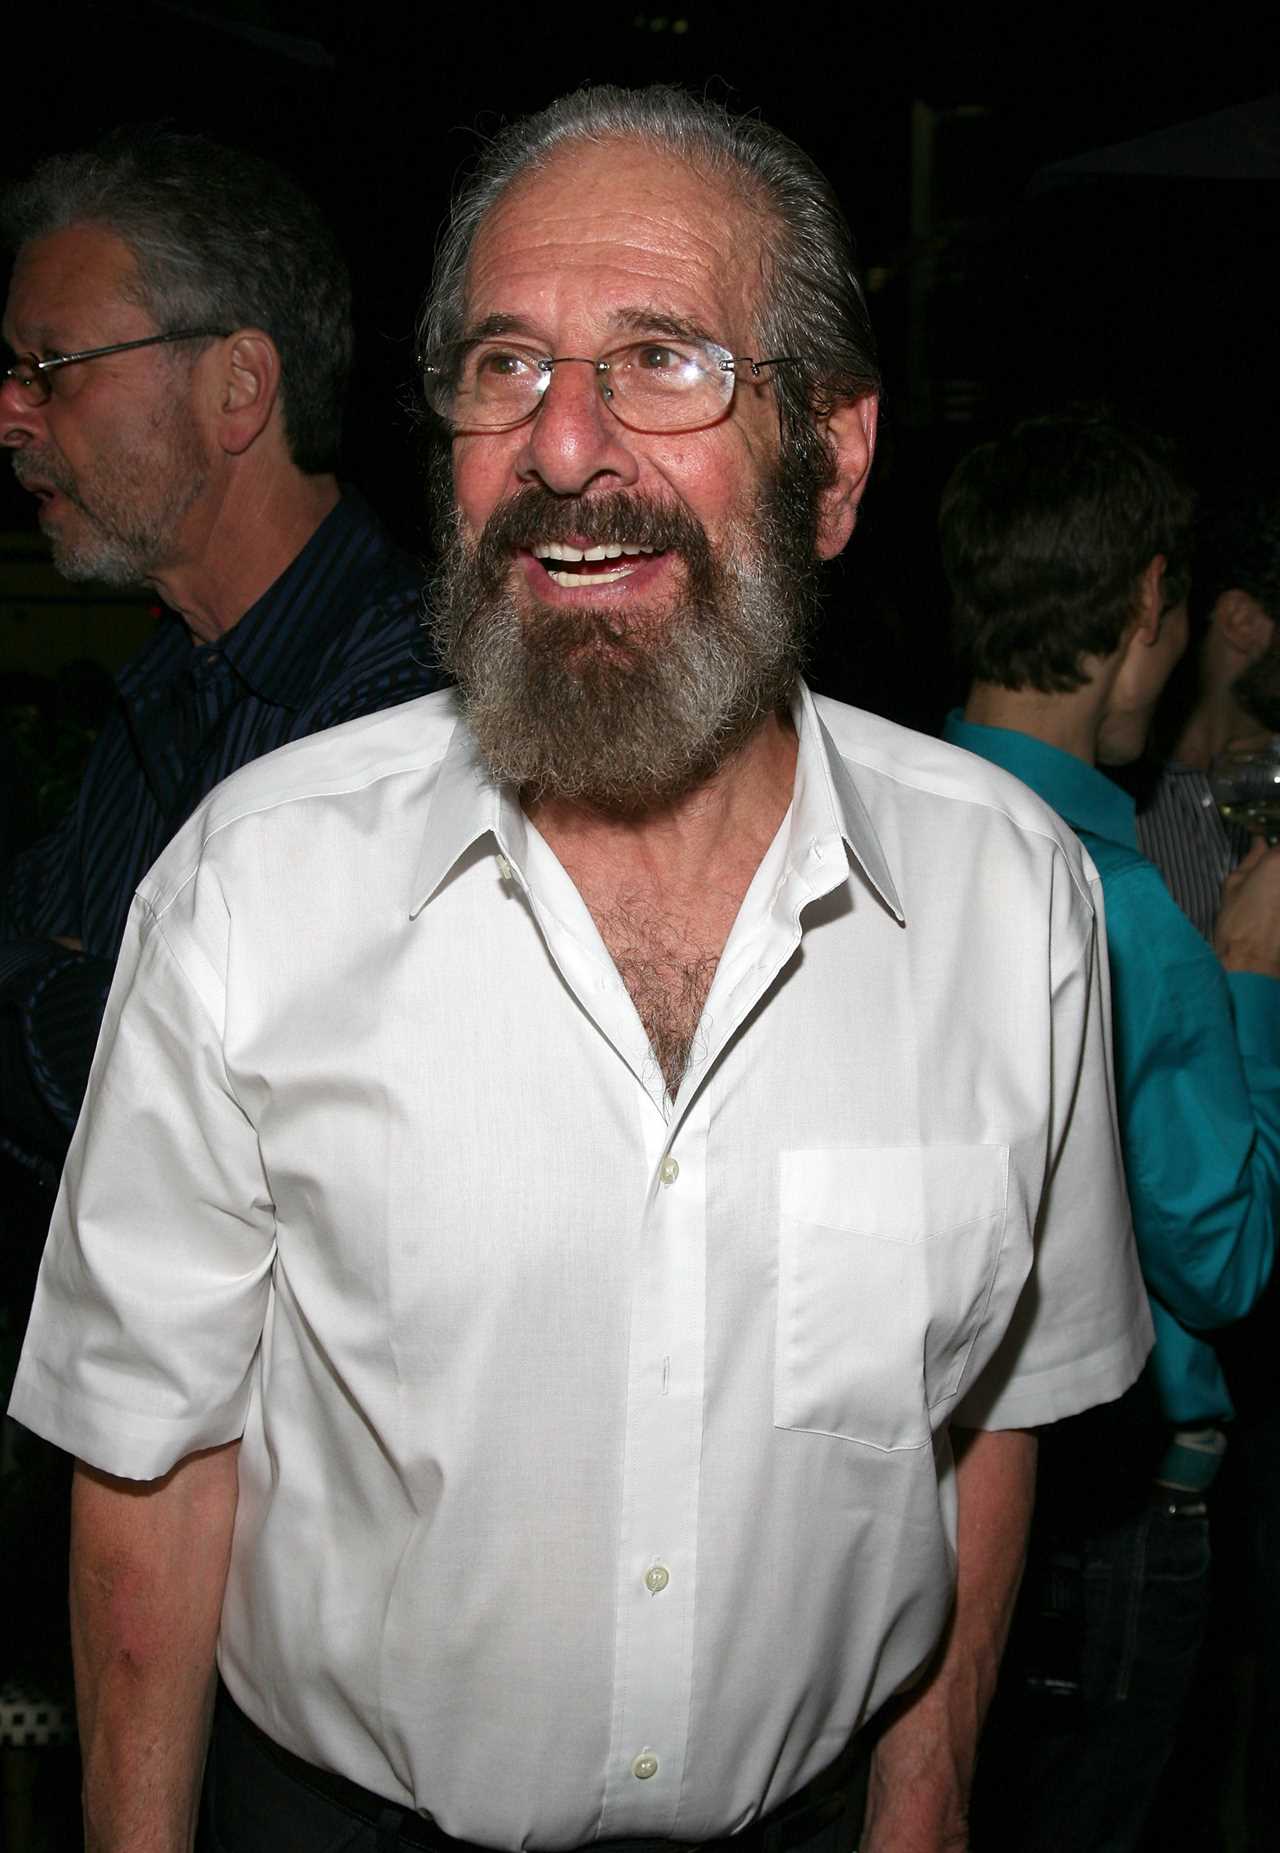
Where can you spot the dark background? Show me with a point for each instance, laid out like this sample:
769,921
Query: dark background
992,292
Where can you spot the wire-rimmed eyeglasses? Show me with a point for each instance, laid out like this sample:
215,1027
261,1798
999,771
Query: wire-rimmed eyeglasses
32,378
654,385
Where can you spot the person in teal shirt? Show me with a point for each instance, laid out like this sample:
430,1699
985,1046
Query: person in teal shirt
1067,547
1196,1047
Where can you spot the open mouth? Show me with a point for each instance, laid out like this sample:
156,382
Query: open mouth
48,499
605,564
34,485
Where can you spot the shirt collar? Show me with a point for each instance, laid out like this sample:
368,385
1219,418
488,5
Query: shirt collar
466,804
277,646
164,655
827,803
1079,792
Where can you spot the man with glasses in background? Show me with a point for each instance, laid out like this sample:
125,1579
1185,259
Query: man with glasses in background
179,327
628,1143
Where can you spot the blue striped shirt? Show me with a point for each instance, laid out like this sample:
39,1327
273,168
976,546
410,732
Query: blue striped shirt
337,634
1182,832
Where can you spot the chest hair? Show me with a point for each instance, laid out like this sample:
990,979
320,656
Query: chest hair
666,928
667,969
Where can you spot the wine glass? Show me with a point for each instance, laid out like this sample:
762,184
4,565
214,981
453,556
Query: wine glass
1245,782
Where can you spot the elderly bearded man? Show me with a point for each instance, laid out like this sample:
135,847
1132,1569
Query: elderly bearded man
629,1145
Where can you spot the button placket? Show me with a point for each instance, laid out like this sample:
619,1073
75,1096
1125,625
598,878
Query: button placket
657,1570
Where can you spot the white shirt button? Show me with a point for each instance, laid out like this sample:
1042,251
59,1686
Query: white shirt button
656,1578
669,1171
645,1765
504,868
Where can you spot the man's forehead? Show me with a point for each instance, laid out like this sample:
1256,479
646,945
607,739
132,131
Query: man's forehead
629,225
67,279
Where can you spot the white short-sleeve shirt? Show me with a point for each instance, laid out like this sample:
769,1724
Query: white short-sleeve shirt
595,1477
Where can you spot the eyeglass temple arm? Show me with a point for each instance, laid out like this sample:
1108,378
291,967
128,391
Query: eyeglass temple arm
756,366
123,347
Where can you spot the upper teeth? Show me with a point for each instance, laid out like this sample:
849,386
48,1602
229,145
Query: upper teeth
559,550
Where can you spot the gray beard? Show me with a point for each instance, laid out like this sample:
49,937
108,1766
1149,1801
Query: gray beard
132,514
625,714
1257,689
115,556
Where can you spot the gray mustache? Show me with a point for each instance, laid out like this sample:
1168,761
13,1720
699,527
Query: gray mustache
534,514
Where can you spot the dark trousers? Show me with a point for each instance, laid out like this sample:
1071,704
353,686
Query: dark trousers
258,1799
1105,1647
1226,1763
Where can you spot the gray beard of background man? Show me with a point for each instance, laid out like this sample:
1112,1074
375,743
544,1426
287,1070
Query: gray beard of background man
626,714
133,500
1258,689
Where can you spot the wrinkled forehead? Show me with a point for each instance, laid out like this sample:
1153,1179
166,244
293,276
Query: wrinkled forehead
65,282
600,227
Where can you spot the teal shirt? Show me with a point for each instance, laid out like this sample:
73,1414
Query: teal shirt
1197,1059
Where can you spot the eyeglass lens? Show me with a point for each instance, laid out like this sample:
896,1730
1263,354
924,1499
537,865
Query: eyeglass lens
652,385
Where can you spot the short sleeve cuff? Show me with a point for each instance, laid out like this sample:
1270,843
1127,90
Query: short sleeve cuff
126,1442
1050,1396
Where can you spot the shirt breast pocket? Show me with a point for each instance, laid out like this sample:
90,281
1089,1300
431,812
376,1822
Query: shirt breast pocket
886,1261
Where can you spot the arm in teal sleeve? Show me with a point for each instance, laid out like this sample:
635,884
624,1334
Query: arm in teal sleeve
1198,1093
1255,1003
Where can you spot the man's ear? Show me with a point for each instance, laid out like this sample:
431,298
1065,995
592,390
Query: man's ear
850,430
247,387
1244,624
1149,608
